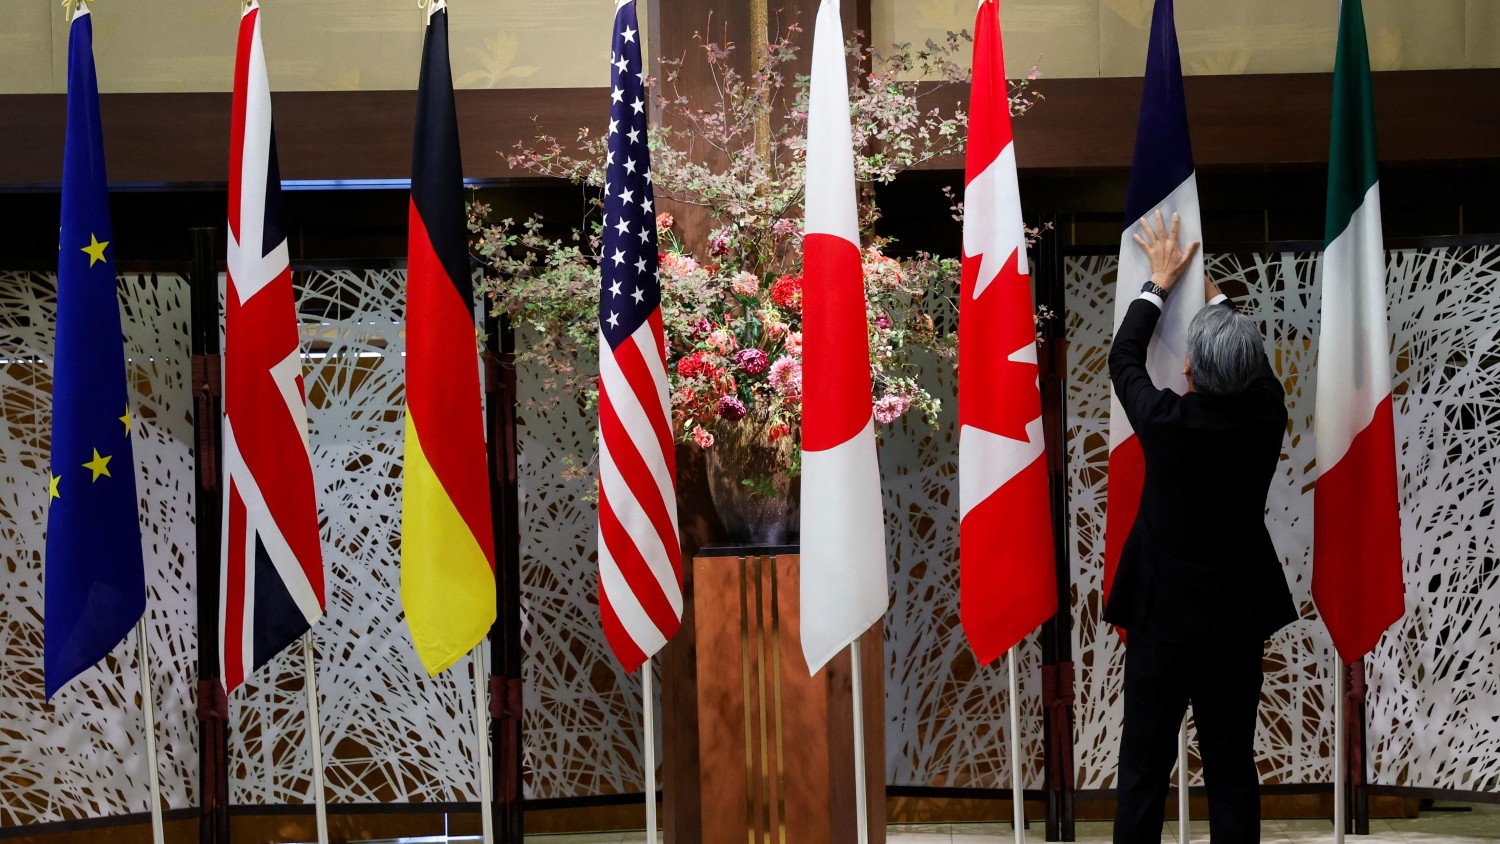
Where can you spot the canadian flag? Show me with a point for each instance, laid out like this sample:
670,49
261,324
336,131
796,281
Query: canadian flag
1007,577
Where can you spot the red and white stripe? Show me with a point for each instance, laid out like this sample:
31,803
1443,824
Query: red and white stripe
844,584
1007,581
269,499
640,568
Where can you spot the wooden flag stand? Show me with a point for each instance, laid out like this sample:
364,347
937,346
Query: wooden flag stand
754,746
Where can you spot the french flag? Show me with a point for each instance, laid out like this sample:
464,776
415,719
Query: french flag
1161,179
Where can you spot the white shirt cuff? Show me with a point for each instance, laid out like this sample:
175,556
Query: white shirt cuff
1219,299
1153,299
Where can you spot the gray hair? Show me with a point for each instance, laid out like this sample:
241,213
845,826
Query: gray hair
1224,349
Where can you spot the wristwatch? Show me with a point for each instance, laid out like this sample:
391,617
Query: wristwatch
1154,289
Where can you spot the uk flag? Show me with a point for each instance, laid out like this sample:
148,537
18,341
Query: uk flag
271,588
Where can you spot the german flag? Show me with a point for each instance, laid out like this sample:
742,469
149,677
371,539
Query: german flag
447,545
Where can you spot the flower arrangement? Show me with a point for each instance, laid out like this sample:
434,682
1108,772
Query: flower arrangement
732,287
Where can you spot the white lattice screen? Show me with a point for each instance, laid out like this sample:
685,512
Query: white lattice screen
82,755
1433,710
947,719
392,734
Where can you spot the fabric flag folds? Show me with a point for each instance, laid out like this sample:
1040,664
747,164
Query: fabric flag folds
447,540
844,586
271,588
640,559
1161,179
1356,581
1007,580
95,574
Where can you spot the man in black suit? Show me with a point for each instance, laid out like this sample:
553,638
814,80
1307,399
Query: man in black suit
1199,586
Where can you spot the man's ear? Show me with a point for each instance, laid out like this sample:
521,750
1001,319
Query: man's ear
1187,369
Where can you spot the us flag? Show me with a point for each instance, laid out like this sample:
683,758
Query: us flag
271,589
640,568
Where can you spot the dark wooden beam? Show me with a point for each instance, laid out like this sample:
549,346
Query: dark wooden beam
176,140
1263,121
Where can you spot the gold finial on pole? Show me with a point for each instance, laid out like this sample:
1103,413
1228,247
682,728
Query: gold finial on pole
70,7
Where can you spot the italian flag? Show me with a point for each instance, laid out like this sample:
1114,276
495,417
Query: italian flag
1356,581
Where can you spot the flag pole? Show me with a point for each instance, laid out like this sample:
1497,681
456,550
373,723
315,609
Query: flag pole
482,730
1017,801
861,810
315,736
1183,834
148,713
1338,749
649,716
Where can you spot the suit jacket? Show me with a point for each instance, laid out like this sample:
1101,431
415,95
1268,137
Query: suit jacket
1198,561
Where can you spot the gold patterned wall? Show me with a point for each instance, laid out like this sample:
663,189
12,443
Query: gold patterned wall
311,45
1086,38
361,45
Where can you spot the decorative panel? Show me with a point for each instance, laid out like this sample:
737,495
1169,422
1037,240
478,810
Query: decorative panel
1432,678
1277,291
947,718
583,712
390,733
82,755
1434,717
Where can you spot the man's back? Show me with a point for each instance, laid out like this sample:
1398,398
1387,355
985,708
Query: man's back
1199,560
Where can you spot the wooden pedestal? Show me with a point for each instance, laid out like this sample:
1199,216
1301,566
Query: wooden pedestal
755,750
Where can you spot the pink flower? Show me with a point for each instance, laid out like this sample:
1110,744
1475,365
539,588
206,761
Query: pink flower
731,409
889,408
794,343
718,243
882,269
745,284
752,361
883,322
774,329
786,375
784,228
703,438
700,329
722,340
678,265
664,221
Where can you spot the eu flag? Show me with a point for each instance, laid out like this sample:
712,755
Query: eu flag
95,576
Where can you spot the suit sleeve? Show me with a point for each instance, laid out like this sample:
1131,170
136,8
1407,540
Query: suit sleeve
1127,363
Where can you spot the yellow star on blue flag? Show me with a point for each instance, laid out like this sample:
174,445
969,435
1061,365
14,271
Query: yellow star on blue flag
95,576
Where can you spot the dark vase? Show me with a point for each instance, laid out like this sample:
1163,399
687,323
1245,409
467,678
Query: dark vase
763,513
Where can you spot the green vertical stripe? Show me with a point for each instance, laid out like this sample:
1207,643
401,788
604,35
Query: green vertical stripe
1352,168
